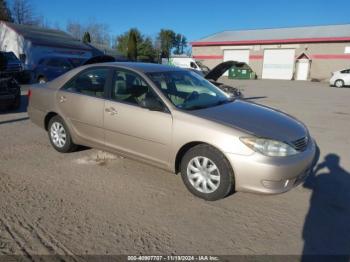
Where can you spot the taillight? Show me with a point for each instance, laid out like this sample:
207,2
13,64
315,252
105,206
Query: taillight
29,93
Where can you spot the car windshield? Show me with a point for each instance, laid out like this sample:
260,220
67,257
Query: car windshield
187,90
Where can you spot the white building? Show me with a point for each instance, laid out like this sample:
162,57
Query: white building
30,44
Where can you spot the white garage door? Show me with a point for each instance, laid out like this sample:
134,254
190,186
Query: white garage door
236,55
278,64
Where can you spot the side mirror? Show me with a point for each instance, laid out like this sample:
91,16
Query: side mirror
152,104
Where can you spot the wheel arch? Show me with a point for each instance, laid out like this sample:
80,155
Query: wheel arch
47,119
184,149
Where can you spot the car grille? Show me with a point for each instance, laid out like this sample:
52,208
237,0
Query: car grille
301,144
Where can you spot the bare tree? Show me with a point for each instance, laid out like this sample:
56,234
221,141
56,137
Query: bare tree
5,13
75,29
23,13
99,32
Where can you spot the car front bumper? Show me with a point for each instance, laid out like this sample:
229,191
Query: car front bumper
271,175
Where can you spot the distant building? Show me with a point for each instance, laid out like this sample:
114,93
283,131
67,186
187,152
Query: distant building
301,53
30,44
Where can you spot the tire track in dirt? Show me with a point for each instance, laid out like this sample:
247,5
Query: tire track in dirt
28,237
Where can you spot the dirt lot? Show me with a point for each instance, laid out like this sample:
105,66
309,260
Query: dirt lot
90,202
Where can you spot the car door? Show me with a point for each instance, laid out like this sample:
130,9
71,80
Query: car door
81,103
131,128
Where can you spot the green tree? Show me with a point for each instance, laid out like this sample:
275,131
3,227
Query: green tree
166,38
87,38
5,13
180,43
146,51
123,39
145,47
132,45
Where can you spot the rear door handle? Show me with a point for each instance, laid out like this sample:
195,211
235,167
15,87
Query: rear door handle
111,111
63,99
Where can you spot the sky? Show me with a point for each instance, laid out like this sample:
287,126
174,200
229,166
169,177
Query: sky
194,18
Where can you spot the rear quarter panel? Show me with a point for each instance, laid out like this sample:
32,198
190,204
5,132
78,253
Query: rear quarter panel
41,102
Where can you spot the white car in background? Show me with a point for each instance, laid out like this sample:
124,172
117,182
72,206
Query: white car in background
340,78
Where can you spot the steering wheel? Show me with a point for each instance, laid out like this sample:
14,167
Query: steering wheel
191,96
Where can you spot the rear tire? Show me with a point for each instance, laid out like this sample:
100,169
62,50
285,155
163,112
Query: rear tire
206,173
42,80
59,136
339,83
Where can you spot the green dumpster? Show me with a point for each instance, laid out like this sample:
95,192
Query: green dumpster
241,72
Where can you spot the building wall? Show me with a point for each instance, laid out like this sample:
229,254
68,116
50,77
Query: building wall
325,57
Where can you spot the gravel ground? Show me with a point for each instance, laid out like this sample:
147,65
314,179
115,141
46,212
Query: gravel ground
91,202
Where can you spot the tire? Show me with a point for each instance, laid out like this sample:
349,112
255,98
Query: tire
217,188
42,80
58,129
339,83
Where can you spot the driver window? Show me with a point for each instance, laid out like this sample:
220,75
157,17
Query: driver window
130,88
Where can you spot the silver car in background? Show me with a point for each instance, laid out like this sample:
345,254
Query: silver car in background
177,120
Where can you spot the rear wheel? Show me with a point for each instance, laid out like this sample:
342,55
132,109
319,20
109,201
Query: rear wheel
59,135
339,83
206,173
42,80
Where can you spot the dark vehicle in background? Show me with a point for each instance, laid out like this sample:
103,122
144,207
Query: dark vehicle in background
13,64
214,74
10,91
50,68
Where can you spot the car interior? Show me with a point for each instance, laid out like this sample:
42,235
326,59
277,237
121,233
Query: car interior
129,88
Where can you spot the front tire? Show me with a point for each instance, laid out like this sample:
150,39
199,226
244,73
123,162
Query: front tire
206,173
59,136
339,83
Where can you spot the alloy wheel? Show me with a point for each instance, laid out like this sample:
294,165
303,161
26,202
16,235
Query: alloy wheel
58,134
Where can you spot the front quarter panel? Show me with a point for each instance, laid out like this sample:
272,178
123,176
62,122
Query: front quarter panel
188,129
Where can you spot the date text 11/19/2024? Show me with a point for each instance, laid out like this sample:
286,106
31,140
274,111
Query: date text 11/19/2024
173,258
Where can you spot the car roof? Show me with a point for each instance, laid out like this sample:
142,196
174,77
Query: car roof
141,67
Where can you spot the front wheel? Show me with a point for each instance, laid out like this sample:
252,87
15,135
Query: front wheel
59,136
206,173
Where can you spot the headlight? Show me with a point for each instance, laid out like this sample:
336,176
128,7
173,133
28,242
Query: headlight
269,147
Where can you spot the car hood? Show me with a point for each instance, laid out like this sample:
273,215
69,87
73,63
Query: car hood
220,69
256,120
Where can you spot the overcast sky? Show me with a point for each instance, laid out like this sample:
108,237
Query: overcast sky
195,18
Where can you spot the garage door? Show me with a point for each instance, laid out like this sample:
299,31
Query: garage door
236,55
278,64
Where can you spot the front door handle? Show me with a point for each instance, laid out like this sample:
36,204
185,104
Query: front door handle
111,111
63,99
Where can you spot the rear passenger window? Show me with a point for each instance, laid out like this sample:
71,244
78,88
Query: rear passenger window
91,82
